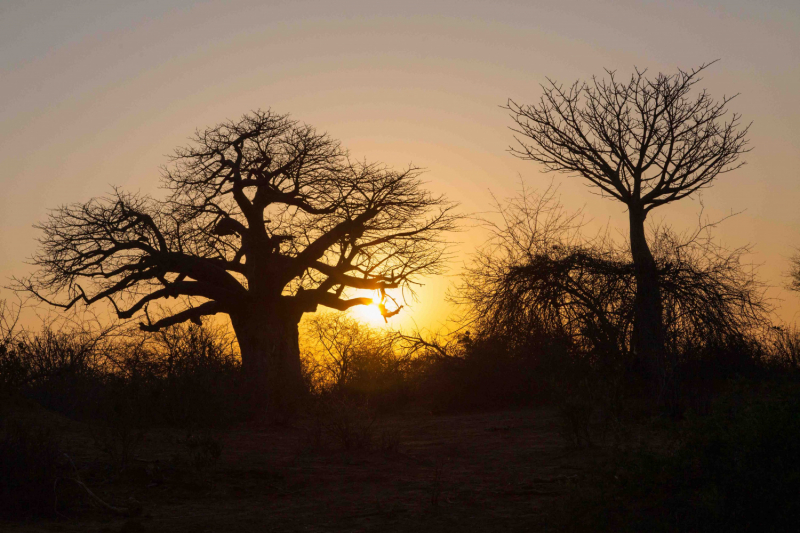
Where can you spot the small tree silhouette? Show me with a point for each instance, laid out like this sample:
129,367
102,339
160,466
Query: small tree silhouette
539,279
645,142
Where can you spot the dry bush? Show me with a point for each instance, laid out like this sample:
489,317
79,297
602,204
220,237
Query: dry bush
784,348
733,469
350,423
58,364
119,436
12,369
64,369
200,452
183,375
346,358
544,291
343,423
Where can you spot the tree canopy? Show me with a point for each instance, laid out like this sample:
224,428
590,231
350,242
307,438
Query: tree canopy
259,208
645,141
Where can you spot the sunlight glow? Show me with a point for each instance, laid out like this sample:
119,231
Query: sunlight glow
369,314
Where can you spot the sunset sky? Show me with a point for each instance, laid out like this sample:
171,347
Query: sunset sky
98,93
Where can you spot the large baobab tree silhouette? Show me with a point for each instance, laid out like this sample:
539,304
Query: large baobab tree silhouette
645,142
266,219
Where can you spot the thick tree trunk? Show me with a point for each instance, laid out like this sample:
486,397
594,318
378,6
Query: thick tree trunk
648,336
268,341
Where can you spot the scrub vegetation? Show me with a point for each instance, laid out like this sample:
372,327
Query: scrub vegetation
589,382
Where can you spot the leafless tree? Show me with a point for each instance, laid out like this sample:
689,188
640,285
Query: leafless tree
645,142
539,277
266,219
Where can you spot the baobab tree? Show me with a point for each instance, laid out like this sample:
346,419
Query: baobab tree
645,142
265,219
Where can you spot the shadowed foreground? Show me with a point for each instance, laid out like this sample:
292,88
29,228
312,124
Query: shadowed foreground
477,472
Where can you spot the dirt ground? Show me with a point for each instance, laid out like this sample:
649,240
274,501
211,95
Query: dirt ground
494,471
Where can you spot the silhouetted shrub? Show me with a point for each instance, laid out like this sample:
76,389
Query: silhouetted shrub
64,370
565,303
341,422
186,375
119,436
735,469
784,347
200,452
12,368
347,359
484,375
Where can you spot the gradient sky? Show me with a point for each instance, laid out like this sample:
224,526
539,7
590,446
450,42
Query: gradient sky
97,93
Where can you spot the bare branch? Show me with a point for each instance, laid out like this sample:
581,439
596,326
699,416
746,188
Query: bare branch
262,213
646,142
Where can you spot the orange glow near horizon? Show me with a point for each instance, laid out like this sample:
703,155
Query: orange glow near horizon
97,94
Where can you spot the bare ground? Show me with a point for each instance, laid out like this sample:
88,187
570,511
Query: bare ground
495,471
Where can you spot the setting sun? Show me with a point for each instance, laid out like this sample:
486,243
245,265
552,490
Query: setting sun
369,314
405,266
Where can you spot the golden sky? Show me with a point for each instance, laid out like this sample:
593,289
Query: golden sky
97,93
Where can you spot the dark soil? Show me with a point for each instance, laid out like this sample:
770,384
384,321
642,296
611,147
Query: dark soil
495,471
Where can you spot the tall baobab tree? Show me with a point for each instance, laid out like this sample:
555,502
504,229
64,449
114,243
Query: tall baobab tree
266,219
644,142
